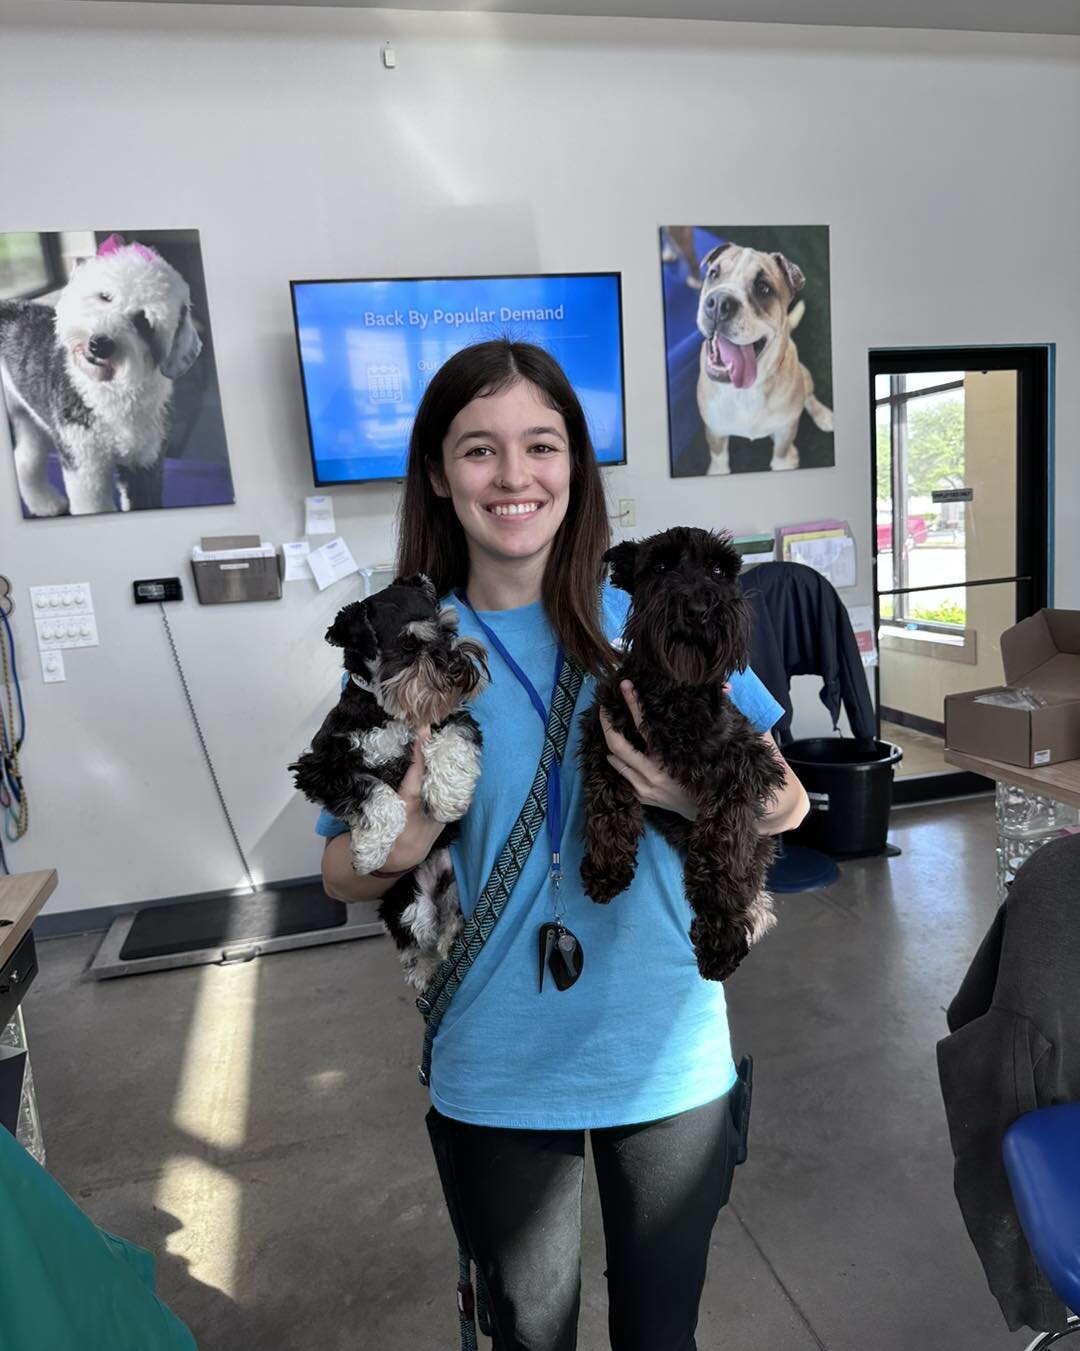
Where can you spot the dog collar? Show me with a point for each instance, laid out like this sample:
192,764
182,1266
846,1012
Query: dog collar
363,684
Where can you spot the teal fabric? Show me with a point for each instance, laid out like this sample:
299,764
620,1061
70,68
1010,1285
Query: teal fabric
65,1284
641,1035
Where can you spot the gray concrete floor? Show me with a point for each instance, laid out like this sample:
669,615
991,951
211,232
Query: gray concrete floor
260,1128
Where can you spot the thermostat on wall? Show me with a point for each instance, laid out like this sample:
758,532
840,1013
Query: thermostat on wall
157,589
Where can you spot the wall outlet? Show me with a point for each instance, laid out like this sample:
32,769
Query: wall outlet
627,512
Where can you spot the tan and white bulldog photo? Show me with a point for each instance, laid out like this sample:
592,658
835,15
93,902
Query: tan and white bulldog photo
751,382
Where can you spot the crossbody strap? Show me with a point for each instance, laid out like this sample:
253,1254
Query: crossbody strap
435,1000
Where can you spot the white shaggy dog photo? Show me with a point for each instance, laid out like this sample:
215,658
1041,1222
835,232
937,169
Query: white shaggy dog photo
93,378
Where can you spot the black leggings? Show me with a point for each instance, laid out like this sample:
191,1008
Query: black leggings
515,1200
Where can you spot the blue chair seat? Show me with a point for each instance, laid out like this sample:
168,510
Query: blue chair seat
1042,1158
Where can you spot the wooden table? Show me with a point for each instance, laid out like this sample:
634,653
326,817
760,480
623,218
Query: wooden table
1060,782
1057,783
21,897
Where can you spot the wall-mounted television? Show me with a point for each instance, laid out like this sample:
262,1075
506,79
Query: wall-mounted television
368,349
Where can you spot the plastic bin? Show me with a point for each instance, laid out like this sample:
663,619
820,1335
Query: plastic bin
849,784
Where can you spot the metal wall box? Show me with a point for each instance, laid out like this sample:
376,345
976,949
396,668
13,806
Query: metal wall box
236,568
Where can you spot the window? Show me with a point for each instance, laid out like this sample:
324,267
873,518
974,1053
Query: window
29,266
919,423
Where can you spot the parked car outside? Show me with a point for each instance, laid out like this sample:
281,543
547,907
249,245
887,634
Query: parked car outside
918,532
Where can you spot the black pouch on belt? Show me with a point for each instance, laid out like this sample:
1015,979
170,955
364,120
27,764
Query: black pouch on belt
739,1104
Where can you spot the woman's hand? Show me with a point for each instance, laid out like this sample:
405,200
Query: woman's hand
652,783
656,788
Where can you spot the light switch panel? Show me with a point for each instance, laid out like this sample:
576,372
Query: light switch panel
64,616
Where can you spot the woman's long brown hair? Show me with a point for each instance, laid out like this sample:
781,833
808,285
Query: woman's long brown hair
430,537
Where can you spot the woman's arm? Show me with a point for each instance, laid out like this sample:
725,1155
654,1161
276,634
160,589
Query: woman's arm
790,804
655,787
410,849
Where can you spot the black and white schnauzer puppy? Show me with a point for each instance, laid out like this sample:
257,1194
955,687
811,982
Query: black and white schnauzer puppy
407,669
687,631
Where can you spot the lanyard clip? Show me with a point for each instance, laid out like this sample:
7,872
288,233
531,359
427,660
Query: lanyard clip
556,868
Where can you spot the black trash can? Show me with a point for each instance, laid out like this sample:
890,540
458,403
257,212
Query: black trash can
849,784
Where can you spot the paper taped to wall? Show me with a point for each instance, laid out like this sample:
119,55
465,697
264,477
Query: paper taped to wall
332,563
296,560
318,515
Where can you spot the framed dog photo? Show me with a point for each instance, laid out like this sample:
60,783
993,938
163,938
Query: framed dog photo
107,373
748,342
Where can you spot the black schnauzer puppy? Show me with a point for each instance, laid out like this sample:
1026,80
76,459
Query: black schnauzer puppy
407,670
687,631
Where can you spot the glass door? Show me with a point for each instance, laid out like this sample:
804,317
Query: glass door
960,530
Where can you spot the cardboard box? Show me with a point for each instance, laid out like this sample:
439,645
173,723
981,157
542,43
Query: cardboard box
1042,654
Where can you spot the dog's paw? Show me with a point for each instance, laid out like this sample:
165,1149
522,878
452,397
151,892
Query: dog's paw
603,884
760,917
44,500
375,831
790,460
719,464
451,768
718,955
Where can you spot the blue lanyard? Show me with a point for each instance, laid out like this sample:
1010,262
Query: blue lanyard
554,810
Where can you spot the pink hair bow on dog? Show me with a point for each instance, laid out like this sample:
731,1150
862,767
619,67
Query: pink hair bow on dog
116,242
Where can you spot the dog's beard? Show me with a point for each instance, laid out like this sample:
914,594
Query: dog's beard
90,367
124,370
428,691
689,651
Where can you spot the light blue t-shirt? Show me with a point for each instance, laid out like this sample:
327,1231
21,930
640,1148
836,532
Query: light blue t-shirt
640,1035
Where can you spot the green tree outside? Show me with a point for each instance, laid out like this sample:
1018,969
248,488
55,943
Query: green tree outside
935,449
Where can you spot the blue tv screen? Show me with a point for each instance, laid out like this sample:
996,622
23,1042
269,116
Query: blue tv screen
369,348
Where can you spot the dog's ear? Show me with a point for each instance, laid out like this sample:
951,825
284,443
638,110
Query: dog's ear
186,346
623,560
728,557
711,257
352,630
793,274
419,580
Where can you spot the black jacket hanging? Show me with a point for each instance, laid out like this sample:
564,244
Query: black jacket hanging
800,627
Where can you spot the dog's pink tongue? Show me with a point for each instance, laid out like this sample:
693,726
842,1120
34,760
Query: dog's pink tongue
741,362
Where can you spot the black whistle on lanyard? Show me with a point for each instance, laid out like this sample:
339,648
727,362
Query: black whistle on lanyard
561,954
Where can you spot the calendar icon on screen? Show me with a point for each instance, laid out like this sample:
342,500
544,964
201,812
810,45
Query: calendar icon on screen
384,384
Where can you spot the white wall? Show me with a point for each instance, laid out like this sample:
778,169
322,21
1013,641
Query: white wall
944,165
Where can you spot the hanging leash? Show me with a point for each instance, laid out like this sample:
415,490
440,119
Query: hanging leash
435,1000
13,799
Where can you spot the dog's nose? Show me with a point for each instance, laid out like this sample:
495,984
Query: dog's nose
720,306
101,346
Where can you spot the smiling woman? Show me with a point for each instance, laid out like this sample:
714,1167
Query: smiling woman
500,458
506,468
565,1016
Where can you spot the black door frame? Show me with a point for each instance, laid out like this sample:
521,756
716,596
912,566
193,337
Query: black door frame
1034,365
